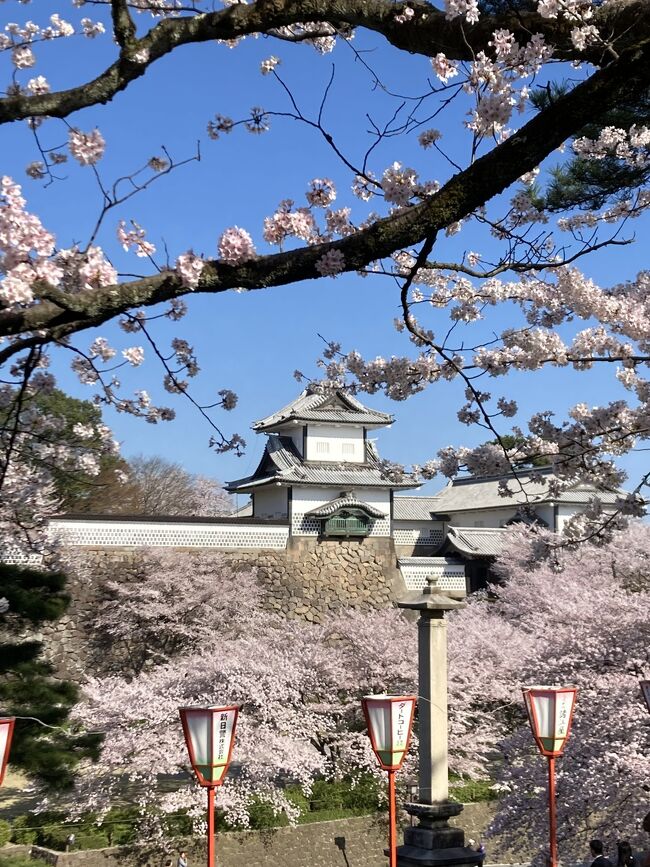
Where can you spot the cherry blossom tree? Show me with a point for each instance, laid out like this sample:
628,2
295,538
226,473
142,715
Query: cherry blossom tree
163,604
497,72
299,692
581,620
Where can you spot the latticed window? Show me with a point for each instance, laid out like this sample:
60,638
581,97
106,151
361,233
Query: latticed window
347,523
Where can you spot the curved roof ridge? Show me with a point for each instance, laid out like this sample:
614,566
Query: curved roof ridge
322,406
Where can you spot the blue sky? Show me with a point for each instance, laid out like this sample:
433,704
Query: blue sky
252,342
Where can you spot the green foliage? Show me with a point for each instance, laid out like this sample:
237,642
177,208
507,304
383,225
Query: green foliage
22,832
46,749
21,861
34,596
5,832
590,184
472,791
329,800
77,489
359,795
51,829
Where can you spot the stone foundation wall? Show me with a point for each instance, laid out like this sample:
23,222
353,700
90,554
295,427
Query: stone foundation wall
357,842
308,580
313,578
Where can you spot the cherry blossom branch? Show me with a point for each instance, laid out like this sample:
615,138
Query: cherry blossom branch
64,314
222,443
426,32
123,25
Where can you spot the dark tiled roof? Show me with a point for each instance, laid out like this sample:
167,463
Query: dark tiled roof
282,463
347,500
476,541
470,494
414,508
329,407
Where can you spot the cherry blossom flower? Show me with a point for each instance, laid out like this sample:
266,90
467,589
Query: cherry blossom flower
322,192
444,68
134,355
429,137
267,66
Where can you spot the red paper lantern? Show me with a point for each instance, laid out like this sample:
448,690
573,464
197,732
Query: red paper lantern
550,711
389,719
210,737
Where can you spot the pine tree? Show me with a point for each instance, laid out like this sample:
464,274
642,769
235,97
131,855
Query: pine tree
44,746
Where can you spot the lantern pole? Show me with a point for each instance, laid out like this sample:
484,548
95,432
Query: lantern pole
392,824
389,719
210,736
211,846
552,811
550,713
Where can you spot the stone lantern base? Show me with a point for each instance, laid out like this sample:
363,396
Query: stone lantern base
433,842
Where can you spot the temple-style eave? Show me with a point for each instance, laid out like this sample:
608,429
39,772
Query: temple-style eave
312,406
331,419
240,486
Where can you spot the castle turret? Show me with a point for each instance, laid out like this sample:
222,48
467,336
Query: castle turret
320,470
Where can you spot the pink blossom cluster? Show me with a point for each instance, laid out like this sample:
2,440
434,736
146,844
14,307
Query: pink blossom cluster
331,263
267,66
135,237
86,147
286,223
189,267
321,193
25,248
631,146
443,67
236,246
400,184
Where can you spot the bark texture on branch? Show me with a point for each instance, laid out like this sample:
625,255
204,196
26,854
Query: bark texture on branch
625,24
61,314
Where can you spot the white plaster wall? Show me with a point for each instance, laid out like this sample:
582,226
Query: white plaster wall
565,511
157,534
272,502
482,517
416,571
304,499
418,532
336,438
294,432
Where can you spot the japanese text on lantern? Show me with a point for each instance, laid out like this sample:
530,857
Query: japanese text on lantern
223,728
563,717
400,734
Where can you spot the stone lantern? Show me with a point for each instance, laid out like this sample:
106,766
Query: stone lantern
433,841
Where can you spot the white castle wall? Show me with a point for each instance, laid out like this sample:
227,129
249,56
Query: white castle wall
416,533
333,444
114,533
305,499
450,573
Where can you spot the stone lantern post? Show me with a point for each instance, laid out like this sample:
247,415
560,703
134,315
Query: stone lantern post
432,841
